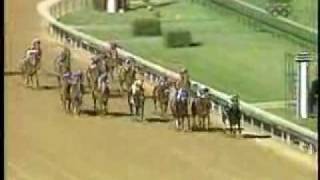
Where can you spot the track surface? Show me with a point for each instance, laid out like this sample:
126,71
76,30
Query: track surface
44,143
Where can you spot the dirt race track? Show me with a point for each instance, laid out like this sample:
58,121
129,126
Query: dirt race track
44,143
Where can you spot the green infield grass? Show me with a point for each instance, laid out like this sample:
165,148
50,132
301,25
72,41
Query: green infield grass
228,55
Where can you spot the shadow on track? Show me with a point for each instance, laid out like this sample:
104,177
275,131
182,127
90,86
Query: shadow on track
157,119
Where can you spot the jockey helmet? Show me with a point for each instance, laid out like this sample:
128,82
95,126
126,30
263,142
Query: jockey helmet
92,66
127,61
35,41
113,45
139,82
205,90
94,59
234,98
183,70
68,39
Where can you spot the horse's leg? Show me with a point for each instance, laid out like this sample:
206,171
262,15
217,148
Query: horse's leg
111,72
101,106
198,120
130,106
137,109
142,110
76,107
89,81
69,105
155,102
204,121
94,103
161,108
166,107
65,104
59,81
231,128
26,80
106,106
177,122
121,86
31,79
183,122
37,79
188,122
186,117
239,126
194,121
208,125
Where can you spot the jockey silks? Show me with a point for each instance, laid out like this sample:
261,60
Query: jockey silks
181,94
102,80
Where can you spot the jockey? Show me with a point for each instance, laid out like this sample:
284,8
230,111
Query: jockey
30,55
102,81
127,63
65,56
235,99
36,46
184,78
113,51
204,93
68,77
161,83
138,84
181,93
183,73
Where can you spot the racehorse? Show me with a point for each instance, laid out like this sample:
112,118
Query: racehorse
29,68
61,66
136,102
200,108
102,96
181,108
160,94
65,94
126,77
92,75
111,64
76,93
233,114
